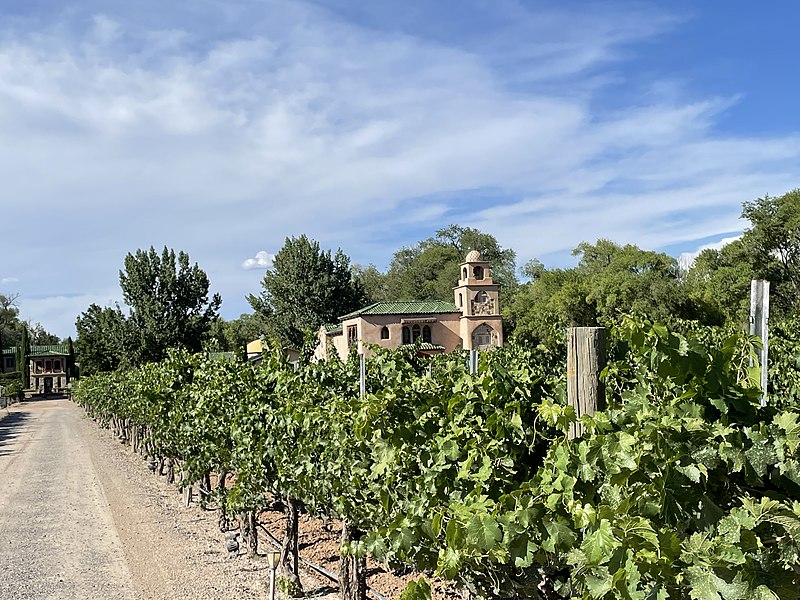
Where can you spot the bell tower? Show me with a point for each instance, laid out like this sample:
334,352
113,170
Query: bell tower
477,296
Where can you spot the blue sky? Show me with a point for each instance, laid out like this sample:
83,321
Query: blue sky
221,127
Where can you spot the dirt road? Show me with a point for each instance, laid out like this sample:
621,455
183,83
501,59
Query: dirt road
82,518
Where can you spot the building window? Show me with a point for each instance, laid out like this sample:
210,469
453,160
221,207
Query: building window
464,273
352,334
48,366
483,337
406,335
57,365
477,272
384,333
38,367
460,300
415,333
426,334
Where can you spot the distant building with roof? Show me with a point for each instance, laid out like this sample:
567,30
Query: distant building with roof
48,368
255,349
8,360
472,321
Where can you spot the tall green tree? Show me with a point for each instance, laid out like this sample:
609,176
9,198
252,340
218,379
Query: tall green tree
100,339
23,350
719,281
10,325
234,335
609,280
70,359
169,304
41,337
627,279
773,243
305,288
374,283
768,249
429,270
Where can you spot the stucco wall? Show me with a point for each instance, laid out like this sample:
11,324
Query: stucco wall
445,329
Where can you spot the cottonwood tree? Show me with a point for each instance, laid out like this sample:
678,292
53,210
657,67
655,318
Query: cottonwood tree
768,249
429,270
719,280
305,288
773,243
40,336
234,335
99,343
169,305
609,280
10,325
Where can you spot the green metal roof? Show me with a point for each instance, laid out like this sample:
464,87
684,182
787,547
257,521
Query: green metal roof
52,349
62,349
412,307
331,328
424,346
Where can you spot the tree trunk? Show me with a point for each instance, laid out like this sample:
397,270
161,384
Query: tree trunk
205,487
223,522
290,550
171,470
352,569
247,526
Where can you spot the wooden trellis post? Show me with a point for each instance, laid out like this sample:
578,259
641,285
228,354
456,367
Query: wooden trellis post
586,358
759,326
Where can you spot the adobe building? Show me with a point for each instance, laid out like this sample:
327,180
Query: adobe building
47,368
254,349
472,322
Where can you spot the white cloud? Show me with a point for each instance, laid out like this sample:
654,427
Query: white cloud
222,126
262,260
6,280
686,259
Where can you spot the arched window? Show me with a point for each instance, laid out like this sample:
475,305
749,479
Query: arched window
426,334
406,335
460,300
481,296
384,333
464,273
483,337
477,272
415,333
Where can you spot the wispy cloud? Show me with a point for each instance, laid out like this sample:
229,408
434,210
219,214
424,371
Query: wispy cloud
6,280
223,126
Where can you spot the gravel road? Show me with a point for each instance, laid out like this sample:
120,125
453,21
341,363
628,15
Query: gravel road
80,517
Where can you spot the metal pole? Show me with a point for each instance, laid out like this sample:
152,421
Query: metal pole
362,374
473,362
759,326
